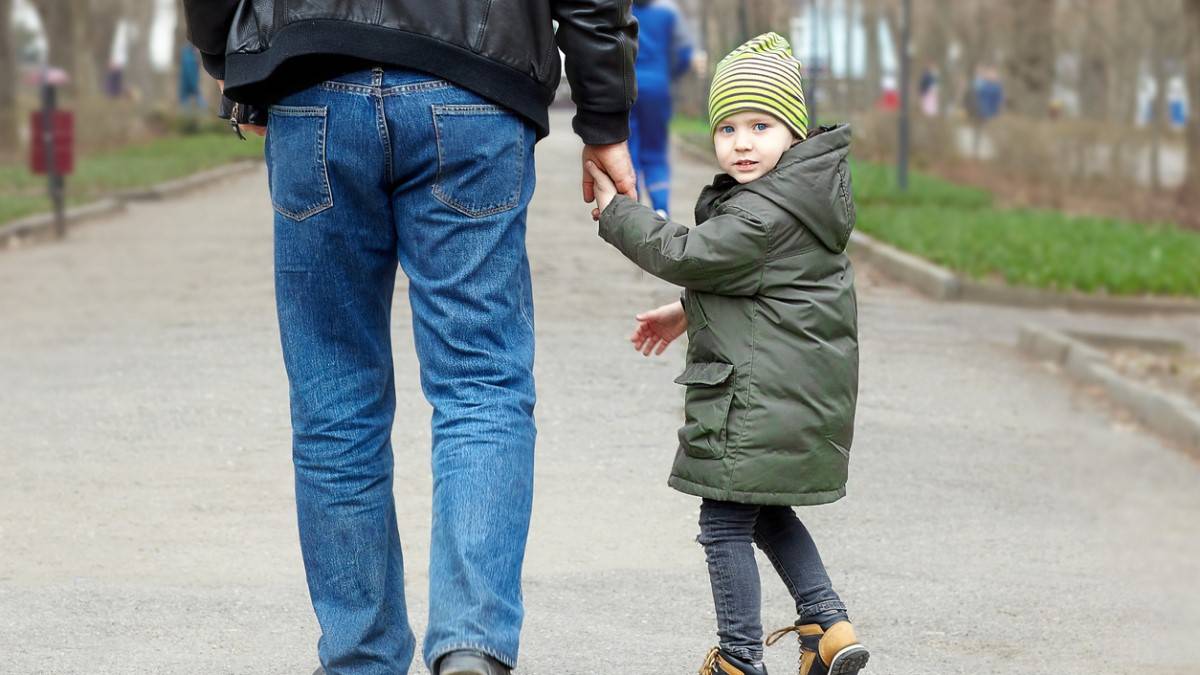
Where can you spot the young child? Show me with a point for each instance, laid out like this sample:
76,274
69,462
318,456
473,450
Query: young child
772,357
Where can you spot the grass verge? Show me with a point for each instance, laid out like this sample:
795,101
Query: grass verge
23,193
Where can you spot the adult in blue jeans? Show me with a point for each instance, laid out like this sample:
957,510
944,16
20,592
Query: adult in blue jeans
402,131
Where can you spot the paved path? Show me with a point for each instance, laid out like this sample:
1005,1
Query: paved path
999,520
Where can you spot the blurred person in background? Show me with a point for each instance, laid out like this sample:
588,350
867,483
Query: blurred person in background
989,94
189,78
406,134
928,89
664,55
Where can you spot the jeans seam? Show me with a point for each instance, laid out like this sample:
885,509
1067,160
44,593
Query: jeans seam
384,137
425,85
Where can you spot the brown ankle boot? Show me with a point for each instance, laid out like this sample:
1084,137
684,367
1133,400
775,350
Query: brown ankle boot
832,652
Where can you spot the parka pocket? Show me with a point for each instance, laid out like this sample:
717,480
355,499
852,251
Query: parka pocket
706,409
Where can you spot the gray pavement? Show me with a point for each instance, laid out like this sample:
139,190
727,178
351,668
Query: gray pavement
998,518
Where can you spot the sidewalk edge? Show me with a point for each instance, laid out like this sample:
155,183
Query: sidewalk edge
40,227
1169,415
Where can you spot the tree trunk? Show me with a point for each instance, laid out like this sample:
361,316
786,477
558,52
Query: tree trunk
1191,186
851,98
1030,63
1094,69
68,32
8,84
1158,110
140,72
870,13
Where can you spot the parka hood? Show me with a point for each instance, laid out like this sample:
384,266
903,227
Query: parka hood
811,183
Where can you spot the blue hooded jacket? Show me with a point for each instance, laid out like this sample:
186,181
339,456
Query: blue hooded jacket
664,48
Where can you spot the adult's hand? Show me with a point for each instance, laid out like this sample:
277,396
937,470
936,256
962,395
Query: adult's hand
252,128
613,160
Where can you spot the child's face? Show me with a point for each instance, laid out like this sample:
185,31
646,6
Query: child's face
750,143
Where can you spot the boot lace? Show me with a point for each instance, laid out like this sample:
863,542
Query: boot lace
710,662
777,635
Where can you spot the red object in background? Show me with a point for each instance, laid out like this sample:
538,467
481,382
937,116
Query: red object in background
889,100
63,125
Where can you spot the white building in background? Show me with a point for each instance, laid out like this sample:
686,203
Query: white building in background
826,46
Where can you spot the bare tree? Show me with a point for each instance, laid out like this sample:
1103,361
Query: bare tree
874,69
8,83
1191,187
140,73
1030,58
69,34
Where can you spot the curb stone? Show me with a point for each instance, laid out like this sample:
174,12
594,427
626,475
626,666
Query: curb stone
940,283
1168,414
40,227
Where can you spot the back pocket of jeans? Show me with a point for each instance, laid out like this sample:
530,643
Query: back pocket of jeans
481,158
299,177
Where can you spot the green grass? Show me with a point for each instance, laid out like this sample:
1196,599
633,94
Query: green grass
142,165
959,227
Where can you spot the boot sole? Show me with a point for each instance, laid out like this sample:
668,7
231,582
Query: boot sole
849,661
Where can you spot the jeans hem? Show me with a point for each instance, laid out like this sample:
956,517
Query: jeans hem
509,661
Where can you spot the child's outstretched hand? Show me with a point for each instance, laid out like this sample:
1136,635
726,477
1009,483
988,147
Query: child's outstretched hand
658,328
603,189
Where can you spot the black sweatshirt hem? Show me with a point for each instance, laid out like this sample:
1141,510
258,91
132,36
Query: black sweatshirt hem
263,77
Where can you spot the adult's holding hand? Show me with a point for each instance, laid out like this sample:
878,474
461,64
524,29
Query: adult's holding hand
613,160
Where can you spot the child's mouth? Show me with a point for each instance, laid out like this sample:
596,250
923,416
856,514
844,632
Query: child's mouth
745,164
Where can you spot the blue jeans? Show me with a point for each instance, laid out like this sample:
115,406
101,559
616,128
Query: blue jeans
726,532
368,170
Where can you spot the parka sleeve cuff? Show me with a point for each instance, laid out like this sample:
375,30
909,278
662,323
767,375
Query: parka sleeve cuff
610,220
597,128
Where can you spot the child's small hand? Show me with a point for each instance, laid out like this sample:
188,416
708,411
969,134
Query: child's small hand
658,328
604,189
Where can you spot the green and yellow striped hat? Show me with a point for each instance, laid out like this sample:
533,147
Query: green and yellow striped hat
761,75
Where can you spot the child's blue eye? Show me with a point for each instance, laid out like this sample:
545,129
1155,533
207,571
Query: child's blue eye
726,129
761,126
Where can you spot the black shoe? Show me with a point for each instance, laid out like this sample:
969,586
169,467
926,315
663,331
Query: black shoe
470,662
719,663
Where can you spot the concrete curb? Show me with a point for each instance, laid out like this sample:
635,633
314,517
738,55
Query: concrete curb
1172,416
40,227
931,280
942,284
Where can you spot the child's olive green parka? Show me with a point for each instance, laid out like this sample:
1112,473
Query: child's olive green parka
772,360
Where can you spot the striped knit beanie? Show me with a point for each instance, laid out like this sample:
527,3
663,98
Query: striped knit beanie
759,75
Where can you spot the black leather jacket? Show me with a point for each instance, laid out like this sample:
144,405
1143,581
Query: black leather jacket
505,50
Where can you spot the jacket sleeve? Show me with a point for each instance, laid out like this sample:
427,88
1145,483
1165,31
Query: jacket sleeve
208,25
599,39
725,254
